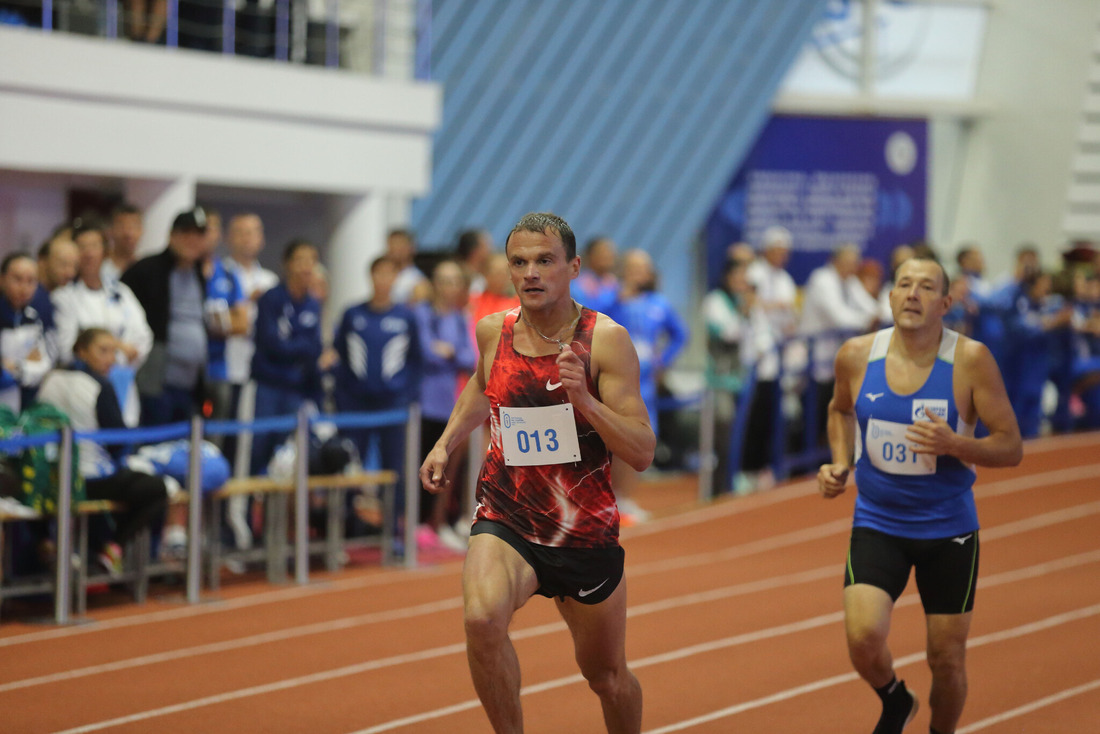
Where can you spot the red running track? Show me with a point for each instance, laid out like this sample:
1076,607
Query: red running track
734,626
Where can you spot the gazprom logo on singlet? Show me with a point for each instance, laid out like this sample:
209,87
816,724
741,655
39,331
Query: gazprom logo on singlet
936,407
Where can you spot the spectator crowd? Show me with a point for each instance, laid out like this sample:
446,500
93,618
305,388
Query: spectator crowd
201,327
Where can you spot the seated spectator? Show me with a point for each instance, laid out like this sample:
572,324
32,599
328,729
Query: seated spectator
171,288
597,286
27,338
447,352
288,346
83,392
91,301
379,367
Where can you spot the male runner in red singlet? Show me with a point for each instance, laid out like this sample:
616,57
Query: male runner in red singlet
560,385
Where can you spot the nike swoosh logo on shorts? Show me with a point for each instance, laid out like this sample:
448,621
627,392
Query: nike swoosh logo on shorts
552,386
961,540
585,592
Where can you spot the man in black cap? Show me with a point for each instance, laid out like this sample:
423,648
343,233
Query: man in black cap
171,289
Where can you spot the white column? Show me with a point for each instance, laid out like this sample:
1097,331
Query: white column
358,228
160,200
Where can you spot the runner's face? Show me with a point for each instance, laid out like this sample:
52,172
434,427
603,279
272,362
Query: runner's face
540,270
917,297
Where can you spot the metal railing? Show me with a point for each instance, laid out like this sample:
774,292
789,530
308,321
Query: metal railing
196,430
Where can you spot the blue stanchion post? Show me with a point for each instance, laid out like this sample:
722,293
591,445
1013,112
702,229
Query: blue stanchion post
229,27
282,30
332,34
172,24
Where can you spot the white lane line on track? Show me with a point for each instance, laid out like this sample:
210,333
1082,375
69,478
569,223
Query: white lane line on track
276,636
1008,634
758,636
1028,708
703,514
554,627
455,602
275,596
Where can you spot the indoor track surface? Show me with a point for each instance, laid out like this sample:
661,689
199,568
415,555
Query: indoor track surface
734,626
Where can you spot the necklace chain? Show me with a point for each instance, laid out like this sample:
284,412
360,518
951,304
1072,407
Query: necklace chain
550,339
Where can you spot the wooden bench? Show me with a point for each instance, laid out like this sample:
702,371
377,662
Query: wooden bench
275,493
138,574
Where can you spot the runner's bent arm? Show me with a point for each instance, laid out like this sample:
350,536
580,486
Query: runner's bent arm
832,478
619,415
1002,447
471,408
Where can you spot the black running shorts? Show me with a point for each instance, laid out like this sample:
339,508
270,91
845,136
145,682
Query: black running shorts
946,568
589,575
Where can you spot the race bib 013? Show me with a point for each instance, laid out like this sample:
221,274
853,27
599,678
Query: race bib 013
539,436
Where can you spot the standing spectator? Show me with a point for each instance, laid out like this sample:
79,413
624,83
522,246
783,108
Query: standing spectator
597,286
85,394
1036,316
411,285
739,338
226,314
25,337
57,259
246,242
659,335
447,353
127,226
245,238
835,306
379,367
288,346
498,295
776,292
1085,364
171,288
93,301
472,253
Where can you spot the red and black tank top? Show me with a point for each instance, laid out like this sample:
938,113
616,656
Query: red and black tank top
564,504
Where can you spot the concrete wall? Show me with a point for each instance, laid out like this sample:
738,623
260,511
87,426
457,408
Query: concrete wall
1002,179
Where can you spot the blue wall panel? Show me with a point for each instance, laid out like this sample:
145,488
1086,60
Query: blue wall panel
626,117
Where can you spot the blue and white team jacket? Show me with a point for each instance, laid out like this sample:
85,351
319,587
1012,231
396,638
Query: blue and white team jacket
379,355
902,493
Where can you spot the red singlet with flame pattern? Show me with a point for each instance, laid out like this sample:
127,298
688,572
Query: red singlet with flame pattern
561,505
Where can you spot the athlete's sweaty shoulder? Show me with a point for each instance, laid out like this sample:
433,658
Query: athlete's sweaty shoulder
612,348
849,368
487,333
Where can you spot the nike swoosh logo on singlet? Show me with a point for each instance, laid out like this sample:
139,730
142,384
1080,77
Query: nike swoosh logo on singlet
552,386
585,592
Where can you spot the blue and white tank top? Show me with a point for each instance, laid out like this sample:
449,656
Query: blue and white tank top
902,493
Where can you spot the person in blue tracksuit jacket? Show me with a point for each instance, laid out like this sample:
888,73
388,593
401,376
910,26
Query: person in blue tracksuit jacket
285,365
380,365
902,415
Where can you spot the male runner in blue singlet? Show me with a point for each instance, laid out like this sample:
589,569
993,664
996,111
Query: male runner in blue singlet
902,415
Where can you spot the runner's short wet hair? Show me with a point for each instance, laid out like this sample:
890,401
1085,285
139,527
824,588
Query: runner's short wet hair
541,222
